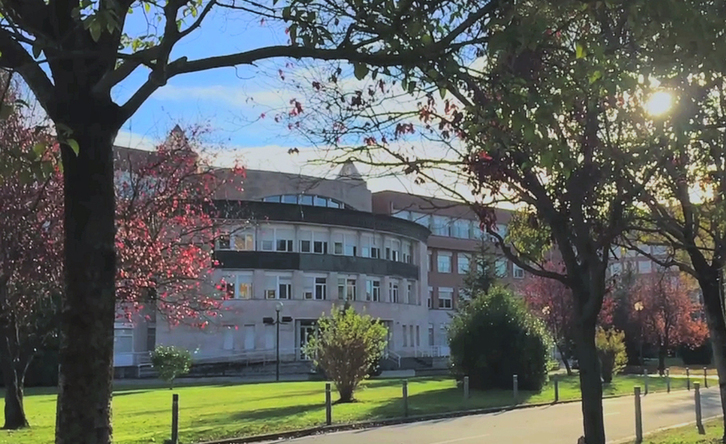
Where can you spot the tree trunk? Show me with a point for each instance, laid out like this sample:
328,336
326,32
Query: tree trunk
590,385
565,359
13,379
88,307
713,306
662,353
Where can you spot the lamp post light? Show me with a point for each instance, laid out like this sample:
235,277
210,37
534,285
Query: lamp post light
278,309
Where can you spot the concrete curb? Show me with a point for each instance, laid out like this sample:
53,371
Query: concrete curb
301,433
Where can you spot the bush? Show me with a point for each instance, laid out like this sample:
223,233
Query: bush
171,362
611,352
347,346
696,356
494,337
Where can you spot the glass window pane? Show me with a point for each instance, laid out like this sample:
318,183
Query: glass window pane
306,200
289,198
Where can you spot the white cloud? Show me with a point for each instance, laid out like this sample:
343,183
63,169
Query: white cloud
237,97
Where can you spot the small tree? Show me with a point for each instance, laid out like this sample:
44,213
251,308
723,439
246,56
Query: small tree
611,352
171,362
495,337
347,344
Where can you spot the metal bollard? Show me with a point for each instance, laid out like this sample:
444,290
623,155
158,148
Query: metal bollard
668,379
328,405
175,419
466,388
688,378
645,379
405,398
557,390
705,377
515,386
638,417
699,418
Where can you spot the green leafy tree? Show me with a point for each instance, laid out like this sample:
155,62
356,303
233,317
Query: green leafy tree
170,362
73,53
483,273
346,345
517,343
611,352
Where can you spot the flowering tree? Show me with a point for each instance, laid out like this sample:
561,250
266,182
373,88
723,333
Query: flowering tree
167,224
665,313
30,252
551,301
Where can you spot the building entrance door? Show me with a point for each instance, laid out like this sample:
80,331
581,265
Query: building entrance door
305,331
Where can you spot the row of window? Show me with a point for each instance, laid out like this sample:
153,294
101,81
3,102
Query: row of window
444,261
639,266
317,242
448,226
306,199
239,286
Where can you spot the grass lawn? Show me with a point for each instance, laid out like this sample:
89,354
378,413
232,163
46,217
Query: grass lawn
689,435
143,415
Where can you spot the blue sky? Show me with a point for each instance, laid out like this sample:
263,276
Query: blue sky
228,98
231,101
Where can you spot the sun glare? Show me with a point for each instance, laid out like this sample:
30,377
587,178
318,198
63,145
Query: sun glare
659,103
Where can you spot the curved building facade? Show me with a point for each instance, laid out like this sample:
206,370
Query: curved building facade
309,244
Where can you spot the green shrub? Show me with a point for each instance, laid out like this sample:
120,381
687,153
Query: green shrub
171,362
347,345
611,352
494,337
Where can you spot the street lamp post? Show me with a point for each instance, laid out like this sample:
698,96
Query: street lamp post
278,308
639,308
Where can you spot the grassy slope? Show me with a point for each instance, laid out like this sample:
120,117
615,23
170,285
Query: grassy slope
142,415
689,435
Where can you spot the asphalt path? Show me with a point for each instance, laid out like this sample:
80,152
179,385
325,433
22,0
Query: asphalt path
554,424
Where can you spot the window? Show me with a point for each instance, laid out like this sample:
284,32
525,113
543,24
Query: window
244,242
440,226
289,199
645,266
460,228
123,340
403,328
315,288
337,247
223,242
346,289
418,337
431,261
393,248
320,247
444,262
151,338
284,239
244,286
402,215
305,200
320,201
349,245
278,287
409,294
271,199
267,239
393,292
373,290
429,301
410,335
284,245
407,253
227,286
517,272
462,263
321,288
446,298
501,268
431,335
421,219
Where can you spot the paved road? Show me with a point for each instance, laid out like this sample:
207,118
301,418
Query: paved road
557,424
